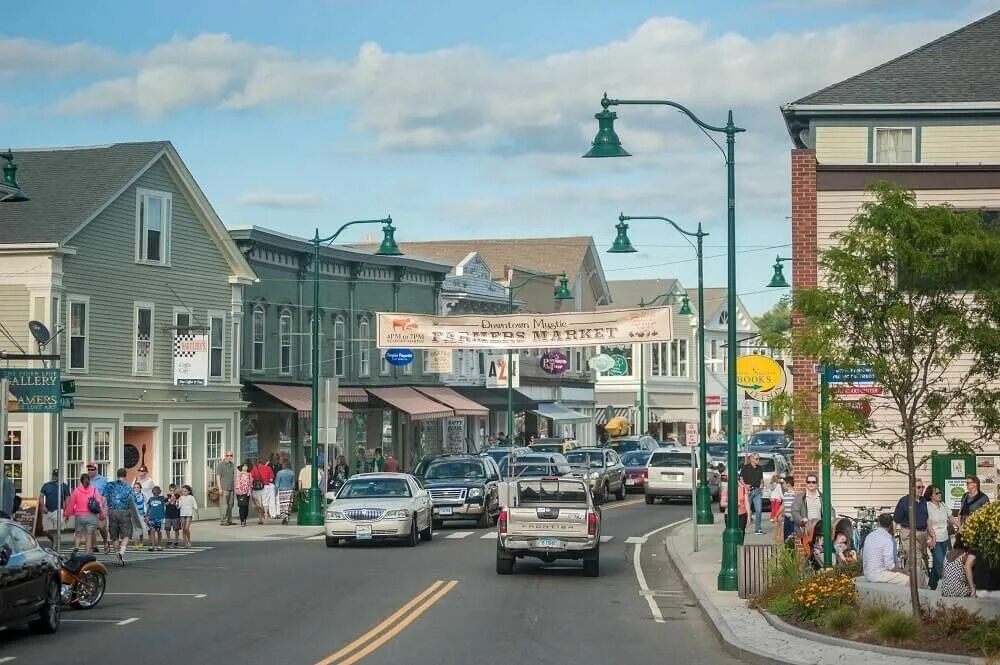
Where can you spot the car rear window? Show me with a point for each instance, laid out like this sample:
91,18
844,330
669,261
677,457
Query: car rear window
547,447
635,458
765,463
671,459
551,491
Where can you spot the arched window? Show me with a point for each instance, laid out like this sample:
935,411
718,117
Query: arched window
258,339
339,333
364,348
285,343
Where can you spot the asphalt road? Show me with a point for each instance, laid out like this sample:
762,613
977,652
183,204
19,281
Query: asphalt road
295,601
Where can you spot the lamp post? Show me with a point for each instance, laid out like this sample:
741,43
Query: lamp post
778,281
311,514
561,292
10,191
622,244
607,144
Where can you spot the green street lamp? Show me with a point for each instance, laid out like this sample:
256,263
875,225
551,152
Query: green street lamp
10,191
561,292
778,280
607,144
704,493
311,512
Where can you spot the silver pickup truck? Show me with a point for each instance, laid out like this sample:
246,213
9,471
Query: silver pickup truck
548,518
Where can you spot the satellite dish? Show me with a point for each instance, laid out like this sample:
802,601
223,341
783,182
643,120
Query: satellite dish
39,332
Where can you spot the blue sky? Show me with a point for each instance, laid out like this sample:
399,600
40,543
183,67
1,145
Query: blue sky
462,119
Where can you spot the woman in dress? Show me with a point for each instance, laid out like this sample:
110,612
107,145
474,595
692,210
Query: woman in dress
957,581
284,485
243,489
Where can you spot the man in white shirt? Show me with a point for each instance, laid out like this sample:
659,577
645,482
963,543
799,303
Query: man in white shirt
879,555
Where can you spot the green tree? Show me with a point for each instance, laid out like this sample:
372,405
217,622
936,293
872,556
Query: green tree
775,323
914,293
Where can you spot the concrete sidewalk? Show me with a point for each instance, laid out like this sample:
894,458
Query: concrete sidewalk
746,632
213,532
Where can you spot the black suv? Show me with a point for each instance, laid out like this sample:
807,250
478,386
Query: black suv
463,487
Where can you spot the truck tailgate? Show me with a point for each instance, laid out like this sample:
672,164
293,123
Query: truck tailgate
550,519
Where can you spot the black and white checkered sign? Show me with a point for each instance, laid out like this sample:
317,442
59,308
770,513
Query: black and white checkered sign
191,359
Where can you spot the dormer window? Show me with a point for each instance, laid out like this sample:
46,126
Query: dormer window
894,145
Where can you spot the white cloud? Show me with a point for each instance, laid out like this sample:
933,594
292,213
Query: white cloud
281,201
30,56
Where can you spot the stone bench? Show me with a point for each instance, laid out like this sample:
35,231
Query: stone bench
898,596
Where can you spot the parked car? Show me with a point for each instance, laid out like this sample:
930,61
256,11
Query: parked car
498,453
636,471
669,476
379,506
536,464
463,487
602,469
29,581
771,463
768,441
717,452
552,445
627,444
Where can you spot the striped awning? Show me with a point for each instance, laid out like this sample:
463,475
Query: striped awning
616,412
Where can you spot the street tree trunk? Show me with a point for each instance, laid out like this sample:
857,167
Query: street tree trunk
911,543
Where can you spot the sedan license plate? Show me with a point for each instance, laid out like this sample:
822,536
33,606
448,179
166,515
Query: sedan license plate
549,543
363,532
630,482
671,476
444,510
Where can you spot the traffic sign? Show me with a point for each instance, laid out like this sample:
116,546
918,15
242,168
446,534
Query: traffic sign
691,435
713,400
857,391
747,423
68,387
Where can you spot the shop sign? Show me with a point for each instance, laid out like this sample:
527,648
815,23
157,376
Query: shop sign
496,371
32,390
554,362
399,357
191,358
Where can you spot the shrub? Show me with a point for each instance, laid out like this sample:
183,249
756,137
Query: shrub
872,614
782,606
826,590
896,626
950,621
840,619
985,637
981,532
851,568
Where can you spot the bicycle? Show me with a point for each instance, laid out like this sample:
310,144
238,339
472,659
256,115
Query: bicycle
864,522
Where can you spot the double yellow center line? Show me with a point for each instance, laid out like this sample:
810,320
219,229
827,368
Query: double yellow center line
394,624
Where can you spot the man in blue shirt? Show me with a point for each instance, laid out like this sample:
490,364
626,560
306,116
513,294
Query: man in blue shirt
99,482
120,500
878,558
52,500
901,516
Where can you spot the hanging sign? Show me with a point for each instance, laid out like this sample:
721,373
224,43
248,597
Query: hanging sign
438,361
602,362
762,378
191,358
399,357
554,362
524,331
32,390
496,371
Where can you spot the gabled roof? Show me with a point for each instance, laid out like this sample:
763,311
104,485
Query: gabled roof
630,292
960,67
69,187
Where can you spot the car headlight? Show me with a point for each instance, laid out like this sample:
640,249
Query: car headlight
334,515
397,514
474,492
594,475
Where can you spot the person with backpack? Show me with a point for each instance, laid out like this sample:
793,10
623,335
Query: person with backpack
87,505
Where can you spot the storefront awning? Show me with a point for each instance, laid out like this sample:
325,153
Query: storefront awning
297,397
349,395
600,417
678,415
495,399
408,400
463,406
560,414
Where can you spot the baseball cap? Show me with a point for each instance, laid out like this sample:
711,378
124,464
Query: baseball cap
91,466
55,472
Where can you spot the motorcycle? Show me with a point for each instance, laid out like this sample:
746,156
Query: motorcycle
84,580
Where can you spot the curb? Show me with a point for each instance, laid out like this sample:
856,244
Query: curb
730,641
926,656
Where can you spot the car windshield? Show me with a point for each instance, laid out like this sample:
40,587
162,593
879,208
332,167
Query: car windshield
635,458
765,463
547,447
524,459
374,488
768,439
539,470
628,446
455,470
717,449
673,460
551,491
594,460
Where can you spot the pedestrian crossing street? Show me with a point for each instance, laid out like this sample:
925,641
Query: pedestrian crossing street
462,535
143,555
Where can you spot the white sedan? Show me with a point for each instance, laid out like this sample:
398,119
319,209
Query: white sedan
379,506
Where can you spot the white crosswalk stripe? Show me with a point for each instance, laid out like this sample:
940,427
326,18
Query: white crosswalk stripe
492,535
635,540
459,534
606,539
136,556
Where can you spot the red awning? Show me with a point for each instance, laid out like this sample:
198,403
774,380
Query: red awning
297,397
408,400
463,406
352,395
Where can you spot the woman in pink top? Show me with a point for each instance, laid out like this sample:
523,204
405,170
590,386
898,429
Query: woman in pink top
79,506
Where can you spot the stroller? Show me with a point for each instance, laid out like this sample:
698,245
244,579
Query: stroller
810,542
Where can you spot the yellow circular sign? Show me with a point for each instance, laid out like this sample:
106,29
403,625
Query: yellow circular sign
758,374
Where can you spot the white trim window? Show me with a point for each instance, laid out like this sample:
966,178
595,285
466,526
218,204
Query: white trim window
13,457
76,449
670,359
142,349
79,333
180,455
894,145
182,319
153,212
408,368
216,345
215,435
385,368
257,331
285,343
307,349
339,333
100,439
425,362
364,347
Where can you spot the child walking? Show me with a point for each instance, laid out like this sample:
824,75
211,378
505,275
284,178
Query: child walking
188,506
172,516
140,505
155,513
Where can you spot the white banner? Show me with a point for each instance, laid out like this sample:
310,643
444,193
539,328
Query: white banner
454,438
191,358
496,370
524,331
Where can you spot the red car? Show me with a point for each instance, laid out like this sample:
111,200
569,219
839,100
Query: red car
635,470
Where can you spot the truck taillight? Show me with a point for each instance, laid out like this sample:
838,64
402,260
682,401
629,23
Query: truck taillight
645,473
502,521
591,524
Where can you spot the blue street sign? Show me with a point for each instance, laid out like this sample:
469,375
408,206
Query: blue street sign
32,390
854,376
399,357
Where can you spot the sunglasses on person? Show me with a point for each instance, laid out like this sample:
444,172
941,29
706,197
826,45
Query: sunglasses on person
811,482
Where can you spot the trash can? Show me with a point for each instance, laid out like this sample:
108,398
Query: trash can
752,575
